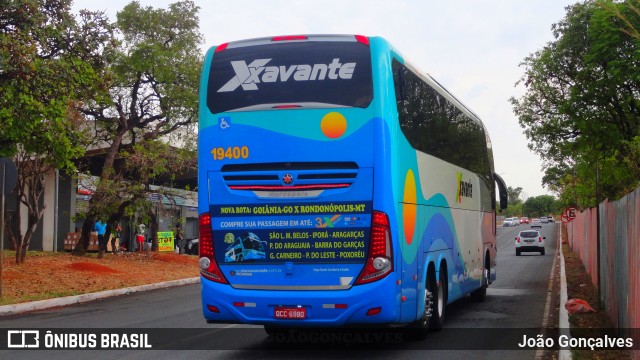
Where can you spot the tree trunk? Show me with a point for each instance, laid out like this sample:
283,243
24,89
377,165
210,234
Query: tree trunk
154,229
85,236
19,256
90,219
23,254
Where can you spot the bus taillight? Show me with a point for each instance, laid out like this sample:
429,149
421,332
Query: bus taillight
221,47
362,39
208,266
380,261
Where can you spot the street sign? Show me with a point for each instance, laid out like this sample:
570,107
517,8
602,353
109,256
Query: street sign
569,215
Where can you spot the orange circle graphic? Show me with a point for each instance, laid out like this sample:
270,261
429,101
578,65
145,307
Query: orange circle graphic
409,206
333,125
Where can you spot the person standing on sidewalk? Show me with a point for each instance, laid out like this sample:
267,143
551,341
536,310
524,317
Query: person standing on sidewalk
101,228
178,238
140,236
115,240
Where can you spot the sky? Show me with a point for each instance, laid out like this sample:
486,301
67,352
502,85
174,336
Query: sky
472,47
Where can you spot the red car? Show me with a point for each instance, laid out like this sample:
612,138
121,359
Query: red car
524,220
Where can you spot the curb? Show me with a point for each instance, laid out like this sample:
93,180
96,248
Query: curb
565,354
15,309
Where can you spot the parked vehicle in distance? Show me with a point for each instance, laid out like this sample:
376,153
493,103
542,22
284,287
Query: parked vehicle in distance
551,219
529,240
524,220
543,219
192,247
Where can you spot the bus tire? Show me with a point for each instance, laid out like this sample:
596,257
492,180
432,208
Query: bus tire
419,329
480,294
439,303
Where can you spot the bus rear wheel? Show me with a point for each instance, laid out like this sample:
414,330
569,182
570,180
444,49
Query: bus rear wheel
480,294
434,307
440,301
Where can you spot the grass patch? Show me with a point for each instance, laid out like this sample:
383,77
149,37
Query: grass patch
579,285
43,296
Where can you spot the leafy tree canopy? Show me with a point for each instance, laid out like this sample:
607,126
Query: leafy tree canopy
49,61
540,206
513,195
581,102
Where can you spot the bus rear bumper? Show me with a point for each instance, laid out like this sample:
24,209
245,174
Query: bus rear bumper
374,303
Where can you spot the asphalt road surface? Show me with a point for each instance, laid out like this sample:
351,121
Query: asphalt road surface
515,303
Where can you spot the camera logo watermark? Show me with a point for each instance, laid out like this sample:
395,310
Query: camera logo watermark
23,339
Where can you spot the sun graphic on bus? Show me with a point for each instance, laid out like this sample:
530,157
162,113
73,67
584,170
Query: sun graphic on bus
409,209
333,125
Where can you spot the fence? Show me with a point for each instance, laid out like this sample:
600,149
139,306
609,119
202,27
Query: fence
619,254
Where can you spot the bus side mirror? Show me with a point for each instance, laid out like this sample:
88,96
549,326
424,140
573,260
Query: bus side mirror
502,190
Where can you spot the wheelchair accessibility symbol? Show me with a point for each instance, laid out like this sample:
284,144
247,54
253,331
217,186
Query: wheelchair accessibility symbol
224,122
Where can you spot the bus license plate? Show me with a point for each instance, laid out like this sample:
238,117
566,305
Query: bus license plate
290,313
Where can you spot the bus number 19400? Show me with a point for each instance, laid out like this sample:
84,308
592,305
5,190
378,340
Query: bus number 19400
231,152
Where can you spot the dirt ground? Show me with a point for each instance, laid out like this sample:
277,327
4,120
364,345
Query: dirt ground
50,275
598,324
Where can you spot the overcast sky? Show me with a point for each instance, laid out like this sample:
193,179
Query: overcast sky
472,47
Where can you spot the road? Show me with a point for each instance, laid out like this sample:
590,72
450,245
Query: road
515,301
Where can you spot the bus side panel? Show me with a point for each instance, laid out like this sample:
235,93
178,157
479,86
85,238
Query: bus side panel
443,225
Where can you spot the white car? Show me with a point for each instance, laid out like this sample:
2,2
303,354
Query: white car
511,222
529,240
535,223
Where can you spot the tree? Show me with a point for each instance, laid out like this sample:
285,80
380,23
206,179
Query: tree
49,61
153,95
581,106
540,205
513,194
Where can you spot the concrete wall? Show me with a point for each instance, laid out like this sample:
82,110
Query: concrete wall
619,254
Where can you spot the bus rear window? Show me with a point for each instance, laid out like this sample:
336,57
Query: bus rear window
304,74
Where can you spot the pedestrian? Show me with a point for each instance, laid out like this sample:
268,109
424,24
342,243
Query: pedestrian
115,240
140,236
177,241
101,228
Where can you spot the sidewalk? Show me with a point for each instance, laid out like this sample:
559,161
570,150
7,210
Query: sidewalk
15,309
563,321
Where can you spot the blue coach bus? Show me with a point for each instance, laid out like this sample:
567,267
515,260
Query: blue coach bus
371,187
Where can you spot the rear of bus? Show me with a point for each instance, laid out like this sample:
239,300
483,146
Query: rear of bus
291,233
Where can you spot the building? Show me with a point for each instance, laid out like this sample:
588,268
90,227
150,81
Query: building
65,197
